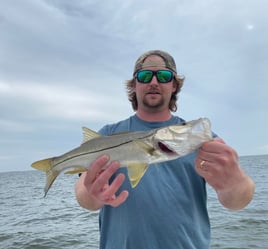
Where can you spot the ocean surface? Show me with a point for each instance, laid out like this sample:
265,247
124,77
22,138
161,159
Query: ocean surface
27,220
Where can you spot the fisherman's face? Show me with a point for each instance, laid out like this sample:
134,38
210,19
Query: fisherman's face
154,96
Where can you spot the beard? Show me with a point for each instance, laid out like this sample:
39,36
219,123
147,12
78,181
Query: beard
153,102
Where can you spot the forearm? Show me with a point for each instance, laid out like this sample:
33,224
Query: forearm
239,195
83,197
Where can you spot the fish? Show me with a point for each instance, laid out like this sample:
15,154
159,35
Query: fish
134,150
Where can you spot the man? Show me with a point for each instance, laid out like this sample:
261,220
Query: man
168,207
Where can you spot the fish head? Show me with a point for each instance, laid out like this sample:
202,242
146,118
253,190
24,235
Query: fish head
181,139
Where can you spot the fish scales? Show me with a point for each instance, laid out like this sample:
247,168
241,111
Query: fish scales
134,150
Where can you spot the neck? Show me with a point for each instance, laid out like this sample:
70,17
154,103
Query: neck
154,116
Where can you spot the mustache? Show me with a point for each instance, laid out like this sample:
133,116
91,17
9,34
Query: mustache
153,90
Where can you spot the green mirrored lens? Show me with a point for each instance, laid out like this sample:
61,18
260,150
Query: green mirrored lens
164,76
145,76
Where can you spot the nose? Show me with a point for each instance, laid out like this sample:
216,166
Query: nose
154,80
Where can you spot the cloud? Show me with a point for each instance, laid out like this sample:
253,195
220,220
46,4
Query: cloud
63,65
38,101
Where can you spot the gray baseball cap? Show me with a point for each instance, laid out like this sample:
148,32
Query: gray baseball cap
169,62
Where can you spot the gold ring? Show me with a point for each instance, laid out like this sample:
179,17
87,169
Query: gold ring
202,166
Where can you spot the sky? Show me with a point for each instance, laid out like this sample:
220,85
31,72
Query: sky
64,64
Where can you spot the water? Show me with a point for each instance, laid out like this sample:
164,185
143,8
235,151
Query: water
247,228
27,220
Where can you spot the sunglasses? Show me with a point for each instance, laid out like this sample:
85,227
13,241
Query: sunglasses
163,76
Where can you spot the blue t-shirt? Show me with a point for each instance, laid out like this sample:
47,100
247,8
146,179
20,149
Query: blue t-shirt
166,210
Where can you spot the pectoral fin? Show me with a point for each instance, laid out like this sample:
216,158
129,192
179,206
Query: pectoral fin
145,147
76,170
136,172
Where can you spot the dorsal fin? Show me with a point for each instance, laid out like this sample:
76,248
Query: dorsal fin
89,134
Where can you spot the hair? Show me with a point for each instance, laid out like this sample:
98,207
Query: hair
178,81
170,63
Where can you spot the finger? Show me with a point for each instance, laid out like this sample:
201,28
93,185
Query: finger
119,199
215,146
202,154
218,153
211,149
95,168
104,177
199,164
203,167
113,188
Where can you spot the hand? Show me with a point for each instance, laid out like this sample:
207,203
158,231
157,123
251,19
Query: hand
96,183
218,163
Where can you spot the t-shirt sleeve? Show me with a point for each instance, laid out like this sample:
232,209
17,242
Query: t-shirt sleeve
104,131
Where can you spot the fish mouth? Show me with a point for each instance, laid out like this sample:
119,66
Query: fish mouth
166,149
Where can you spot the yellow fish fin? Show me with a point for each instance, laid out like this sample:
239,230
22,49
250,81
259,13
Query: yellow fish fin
89,134
136,172
43,165
47,166
76,170
146,147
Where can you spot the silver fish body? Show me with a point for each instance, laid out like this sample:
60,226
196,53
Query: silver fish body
134,150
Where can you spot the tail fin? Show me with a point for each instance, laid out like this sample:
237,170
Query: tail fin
47,166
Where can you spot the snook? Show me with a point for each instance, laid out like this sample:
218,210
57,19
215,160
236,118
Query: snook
134,150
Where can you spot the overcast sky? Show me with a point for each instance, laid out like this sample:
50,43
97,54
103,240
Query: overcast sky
63,65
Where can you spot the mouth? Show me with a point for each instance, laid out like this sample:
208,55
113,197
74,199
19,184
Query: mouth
165,148
153,93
